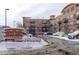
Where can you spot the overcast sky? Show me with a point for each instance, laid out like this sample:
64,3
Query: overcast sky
20,8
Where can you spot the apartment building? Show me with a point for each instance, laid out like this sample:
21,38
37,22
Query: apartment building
35,26
69,18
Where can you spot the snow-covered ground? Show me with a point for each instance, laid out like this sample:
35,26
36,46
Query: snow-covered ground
22,45
29,43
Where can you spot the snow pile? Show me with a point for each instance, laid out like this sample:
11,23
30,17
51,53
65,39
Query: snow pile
23,45
1,33
59,37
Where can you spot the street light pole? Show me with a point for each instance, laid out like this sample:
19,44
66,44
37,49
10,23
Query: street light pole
6,16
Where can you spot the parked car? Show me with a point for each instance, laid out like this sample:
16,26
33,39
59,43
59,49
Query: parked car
58,34
49,33
74,35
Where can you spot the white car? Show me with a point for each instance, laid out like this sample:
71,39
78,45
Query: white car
74,35
61,34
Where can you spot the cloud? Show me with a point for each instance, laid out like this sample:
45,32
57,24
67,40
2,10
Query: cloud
44,9
20,8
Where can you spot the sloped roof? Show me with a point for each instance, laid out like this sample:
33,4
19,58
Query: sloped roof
70,5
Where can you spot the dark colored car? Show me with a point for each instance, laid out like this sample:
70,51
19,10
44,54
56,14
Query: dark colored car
49,33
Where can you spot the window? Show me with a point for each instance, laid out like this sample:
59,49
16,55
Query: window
32,22
65,20
72,8
78,26
59,23
77,5
44,29
67,10
77,17
44,22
